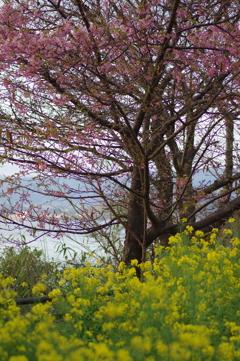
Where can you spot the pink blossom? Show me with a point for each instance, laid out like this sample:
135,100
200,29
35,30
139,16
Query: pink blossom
41,166
23,215
10,191
57,194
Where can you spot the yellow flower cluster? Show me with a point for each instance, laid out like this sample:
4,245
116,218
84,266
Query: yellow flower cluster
184,307
39,289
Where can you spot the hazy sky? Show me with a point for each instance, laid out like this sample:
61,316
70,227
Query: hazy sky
8,169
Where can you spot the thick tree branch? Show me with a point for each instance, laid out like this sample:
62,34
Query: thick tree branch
157,73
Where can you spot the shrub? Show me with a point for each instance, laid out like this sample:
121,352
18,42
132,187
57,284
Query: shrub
27,267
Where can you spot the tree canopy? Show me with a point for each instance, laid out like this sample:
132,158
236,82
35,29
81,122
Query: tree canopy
114,107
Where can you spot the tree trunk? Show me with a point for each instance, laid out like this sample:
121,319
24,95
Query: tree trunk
133,246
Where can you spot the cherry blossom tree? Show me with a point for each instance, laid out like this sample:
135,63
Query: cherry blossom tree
114,107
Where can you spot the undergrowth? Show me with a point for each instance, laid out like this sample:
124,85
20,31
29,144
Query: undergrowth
185,307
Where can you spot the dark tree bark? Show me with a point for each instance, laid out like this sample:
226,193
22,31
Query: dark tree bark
133,246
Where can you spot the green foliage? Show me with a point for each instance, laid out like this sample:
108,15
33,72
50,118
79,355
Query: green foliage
71,256
27,267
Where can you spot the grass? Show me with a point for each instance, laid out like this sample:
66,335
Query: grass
185,307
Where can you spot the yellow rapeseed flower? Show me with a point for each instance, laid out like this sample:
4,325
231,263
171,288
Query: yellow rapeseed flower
190,229
39,288
161,348
175,239
46,352
178,352
194,340
54,293
78,325
199,233
108,326
114,310
213,256
213,237
134,262
146,266
89,333
67,317
235,241
123,355
121,266
225,350
62,282
18,358
102,351
227,231
6,282
143,344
